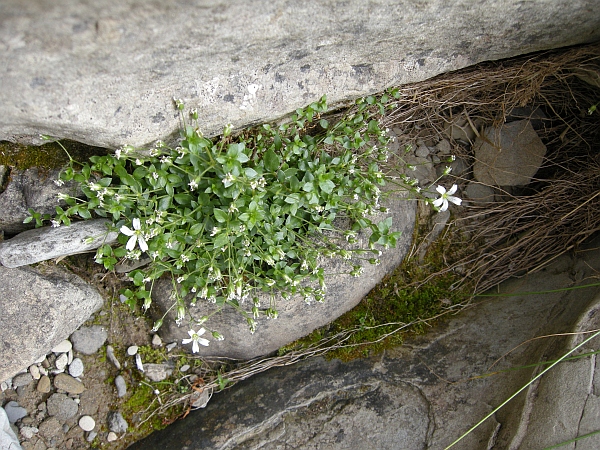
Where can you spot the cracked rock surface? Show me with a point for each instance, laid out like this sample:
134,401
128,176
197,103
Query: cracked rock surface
427,393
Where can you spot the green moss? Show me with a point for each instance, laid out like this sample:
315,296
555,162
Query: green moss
153,355
47,156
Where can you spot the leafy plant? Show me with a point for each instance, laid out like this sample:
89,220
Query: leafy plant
232,217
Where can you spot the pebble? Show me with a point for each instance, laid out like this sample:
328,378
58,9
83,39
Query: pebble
76,368
61,362
157,372
68,383
132,350
43,385
28,432
4,386
87,423
171,346
156,340
116,422
121,386
34,370
70,357
138,362
23,379
61,407
88,340
110,354
14,411
422,152
111,437
91,436
63,347
184,368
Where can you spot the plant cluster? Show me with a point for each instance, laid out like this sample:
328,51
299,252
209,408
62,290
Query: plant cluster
231,217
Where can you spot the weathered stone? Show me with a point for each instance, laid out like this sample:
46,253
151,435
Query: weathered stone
76,368
50,428
46,243
63,347
110,355
14,411
508,156
26,189
61,406
8,438
157,372
39,307
22,379
296,317
428,392
44,384
116,422
68,383
480,193
88,340
121,386
71,73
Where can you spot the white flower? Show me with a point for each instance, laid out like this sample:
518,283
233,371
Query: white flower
118,153
136,235
59,182
195,339
445,197
55,223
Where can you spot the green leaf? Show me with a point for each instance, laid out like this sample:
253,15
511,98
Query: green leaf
196,229
250,173
324,123
221,241
220,215
164,203
272,161
327,186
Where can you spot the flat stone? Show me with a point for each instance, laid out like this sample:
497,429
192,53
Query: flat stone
22,379
260,60
45,243
68,383
116,422
76,368
121,386
112,436
63,347
110,355
61,362
34,370
156,340
88,340
14,411
61,407
47,304
157,372
44,384
87,423
508,156
479,193
132,350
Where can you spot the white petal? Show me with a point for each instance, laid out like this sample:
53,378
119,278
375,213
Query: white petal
203,341
201,331
131,243
455,200
441,189
186,341
195,348
143,244
452,189
136,223
191,333
126,231
444,206
438,202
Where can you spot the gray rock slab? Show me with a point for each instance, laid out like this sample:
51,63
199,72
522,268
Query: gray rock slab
104,72
39,307
88,340
45,243
296,317
509,155
8,438
31,188
430,391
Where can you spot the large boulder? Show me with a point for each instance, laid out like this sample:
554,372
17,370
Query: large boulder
430,391
296,317
104,72
39,308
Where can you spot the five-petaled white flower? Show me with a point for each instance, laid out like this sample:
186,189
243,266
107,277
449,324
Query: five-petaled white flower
195,339
445,197
136,236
